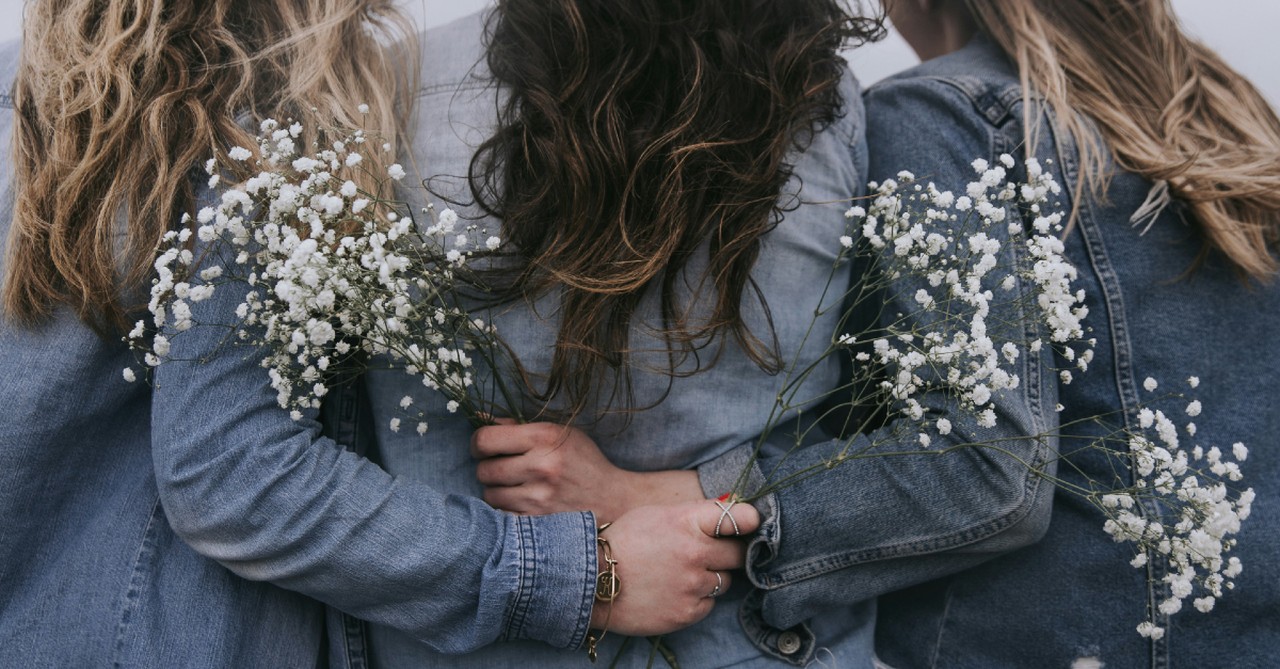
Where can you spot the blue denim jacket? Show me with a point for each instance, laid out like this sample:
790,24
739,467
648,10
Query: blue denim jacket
1073,596
415,551
91,572
703,415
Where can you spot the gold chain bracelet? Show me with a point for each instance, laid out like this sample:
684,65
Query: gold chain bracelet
607,588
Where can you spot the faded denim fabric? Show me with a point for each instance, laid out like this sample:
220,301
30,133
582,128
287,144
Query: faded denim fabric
91,572
1073,596
703,416
871,526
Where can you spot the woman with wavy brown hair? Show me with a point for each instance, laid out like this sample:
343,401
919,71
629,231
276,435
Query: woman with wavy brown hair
672,178
1172,162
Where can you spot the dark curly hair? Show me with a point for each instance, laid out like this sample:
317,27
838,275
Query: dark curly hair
633,133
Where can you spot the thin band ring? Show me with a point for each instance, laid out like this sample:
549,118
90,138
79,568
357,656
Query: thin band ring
724,513
715,592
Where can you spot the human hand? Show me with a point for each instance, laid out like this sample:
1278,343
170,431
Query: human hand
668,559
542,468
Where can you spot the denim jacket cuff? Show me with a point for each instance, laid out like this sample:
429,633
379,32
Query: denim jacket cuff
721,475
557,557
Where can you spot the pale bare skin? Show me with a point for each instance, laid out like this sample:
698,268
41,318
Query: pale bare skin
663,531
543,468
932,27
667,562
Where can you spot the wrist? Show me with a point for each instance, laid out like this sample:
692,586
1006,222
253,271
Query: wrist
655,488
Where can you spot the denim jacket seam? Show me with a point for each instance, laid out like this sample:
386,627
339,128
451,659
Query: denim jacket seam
993,103
526,577
139,574
1005,518
1122,352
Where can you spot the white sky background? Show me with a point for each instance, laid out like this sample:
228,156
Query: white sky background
1241,30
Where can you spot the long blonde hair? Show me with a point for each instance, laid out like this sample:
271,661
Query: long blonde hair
1167,107
117,100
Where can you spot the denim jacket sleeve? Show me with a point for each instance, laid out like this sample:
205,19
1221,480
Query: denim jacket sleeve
272,500
874,525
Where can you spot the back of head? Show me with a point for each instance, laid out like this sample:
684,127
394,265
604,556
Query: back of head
117,101
636,132
1166,107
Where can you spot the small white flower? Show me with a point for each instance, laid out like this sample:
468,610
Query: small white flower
1150,384
239,153
452,406
1193,381
492,243
395,425
1149,630
353,159
129,375
944,426
1193,409
405,402
396,172
1238,449
422,427
846,241
364,108
1204,604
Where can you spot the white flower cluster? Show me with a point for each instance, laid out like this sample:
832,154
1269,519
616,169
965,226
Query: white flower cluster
962,266
332,273
1181,508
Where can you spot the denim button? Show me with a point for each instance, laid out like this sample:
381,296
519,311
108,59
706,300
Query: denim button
788,642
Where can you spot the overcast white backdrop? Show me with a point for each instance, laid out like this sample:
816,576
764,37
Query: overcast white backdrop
1241,30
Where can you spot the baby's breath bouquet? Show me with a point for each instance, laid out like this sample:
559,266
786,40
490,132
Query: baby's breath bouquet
956,292
331,274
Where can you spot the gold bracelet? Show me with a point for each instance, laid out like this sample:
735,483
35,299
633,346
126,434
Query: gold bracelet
607,588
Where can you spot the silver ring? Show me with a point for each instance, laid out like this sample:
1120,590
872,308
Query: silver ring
715,592
724,513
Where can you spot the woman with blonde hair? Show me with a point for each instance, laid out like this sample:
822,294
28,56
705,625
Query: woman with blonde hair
1175,163
108,106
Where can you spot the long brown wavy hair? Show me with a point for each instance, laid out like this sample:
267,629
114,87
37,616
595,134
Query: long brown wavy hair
1167,107
638,134
117,101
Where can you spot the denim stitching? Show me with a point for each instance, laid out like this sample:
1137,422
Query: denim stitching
1007,517
517,610
942,626
146,551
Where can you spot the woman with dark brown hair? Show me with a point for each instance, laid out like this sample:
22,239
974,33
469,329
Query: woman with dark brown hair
1171,162
672,178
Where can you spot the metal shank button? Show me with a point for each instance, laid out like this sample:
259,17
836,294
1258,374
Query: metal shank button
788,643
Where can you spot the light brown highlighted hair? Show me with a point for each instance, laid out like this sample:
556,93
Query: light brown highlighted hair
1167,107
118,100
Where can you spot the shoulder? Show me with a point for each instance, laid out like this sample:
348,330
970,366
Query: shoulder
977,81
955,108
452,56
